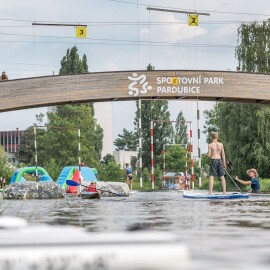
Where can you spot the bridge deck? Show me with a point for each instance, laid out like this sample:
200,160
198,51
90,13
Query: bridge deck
131,85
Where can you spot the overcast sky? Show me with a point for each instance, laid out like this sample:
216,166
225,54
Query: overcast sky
122,35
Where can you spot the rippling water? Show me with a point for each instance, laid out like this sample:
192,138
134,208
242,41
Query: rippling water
232,234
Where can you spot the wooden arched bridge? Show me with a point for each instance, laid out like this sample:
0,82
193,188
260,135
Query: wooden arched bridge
131,85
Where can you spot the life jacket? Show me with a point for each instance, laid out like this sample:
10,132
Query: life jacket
92,188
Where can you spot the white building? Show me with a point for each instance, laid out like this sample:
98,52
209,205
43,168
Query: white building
123,157
103,114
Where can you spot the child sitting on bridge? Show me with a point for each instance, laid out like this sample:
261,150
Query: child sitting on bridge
4,76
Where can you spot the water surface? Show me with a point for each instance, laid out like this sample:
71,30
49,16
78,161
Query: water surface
221,234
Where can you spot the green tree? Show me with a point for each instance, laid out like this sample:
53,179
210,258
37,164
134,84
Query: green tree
163,131
247,133
252,52
53,168
107,159
127,141
156,110
150,67
243,129
211,122
61,145
72,64
134,164
181,136
175,158
110,172
6,169
26,150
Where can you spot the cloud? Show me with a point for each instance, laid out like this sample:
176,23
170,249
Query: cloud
111,66
172,31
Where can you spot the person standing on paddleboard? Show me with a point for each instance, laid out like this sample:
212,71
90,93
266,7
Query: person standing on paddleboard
218,162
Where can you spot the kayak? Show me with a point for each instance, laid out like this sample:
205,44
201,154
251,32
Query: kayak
90,195
215,196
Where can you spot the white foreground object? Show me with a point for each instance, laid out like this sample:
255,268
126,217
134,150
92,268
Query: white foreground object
64,247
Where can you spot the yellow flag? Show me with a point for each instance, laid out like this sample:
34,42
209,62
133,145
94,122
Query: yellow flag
193,19
81,31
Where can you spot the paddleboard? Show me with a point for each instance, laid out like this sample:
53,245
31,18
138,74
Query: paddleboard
265,195
215,196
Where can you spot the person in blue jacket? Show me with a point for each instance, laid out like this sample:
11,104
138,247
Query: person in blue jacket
254,181
129,175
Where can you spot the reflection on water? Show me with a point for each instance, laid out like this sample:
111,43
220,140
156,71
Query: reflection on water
222,234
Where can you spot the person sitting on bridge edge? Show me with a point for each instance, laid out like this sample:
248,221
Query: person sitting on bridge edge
254,181
82,164
4,76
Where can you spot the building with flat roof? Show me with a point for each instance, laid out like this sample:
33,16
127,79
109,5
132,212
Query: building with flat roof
10,141
123,157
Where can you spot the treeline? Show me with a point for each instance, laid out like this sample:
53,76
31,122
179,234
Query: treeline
244,128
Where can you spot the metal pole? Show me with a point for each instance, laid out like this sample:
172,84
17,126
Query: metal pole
152,154
186,172
59,24
35,134
178,11
140,141
16,139
7,143
79,155
191,158
164,161
199,149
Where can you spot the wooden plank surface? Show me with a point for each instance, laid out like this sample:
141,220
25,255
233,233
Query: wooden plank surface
109,86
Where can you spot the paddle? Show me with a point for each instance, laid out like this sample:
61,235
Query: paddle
230,165
75,184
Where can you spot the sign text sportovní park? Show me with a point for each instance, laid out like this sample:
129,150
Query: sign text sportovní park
180,85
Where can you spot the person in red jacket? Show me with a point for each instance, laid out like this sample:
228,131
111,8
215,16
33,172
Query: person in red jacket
92,187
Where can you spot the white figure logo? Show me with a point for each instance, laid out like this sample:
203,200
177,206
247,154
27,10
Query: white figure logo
134,91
